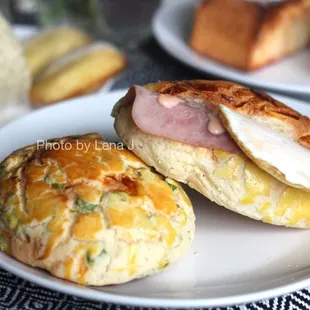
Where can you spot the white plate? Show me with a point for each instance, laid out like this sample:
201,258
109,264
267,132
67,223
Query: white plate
240,260
172,25
23,32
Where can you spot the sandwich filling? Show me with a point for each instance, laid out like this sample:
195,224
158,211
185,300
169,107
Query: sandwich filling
188,120
272,151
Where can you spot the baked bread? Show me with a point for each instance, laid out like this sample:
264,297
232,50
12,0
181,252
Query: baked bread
78,73
220,171
250,34
91,212
44,48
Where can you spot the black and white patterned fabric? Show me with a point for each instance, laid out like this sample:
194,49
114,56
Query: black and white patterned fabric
18,294
151,64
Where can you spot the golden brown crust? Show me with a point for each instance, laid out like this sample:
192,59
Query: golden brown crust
37,98
241,33
81,76
91,212
253,103
42,49
217,43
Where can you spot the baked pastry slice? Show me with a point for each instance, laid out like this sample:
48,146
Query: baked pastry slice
250,34
78,73
47,46
91,212
175,127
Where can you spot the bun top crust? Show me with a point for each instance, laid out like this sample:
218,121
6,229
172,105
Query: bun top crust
83,210
253,103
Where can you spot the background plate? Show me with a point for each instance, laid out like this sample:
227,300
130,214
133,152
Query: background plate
172,26
232,260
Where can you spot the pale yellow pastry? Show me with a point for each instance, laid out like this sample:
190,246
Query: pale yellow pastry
224,174
91,212
44,48
78,73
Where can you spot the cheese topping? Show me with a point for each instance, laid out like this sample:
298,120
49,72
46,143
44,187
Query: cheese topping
78,206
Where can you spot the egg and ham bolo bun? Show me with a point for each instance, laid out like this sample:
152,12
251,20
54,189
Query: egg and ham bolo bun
94,215
180,128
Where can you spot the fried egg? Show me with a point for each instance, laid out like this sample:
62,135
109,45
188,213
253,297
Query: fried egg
273,152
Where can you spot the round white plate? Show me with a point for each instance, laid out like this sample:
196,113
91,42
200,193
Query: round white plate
23,32
172,26
232,260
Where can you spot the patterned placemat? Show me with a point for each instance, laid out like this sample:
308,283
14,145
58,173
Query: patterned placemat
150,64
17,294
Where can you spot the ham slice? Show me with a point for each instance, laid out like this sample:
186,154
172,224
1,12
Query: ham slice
186,121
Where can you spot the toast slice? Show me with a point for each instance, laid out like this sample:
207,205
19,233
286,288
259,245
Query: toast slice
250,34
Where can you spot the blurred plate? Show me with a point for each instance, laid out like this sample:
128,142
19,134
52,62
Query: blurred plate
172,26
23,32
233,259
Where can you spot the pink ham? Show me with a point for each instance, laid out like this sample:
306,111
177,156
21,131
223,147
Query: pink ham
185,122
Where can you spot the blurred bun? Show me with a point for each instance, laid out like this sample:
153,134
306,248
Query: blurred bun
47,46
78,73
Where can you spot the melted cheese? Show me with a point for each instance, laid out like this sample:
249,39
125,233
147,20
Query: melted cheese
56,176
158,191
132,267
35,172
264,209
257,183
88,193
167,229
83,268
45,206
221,154
130,218
230,169
68,268
298,202
88,226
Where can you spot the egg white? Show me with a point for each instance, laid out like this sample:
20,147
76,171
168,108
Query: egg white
273,152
